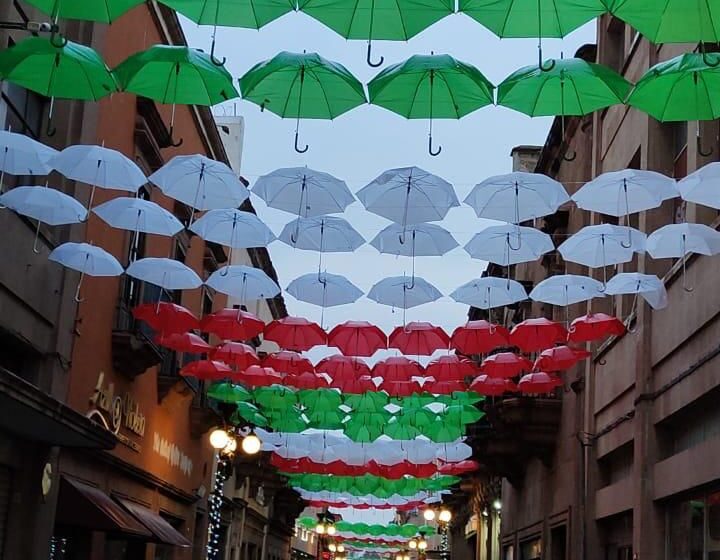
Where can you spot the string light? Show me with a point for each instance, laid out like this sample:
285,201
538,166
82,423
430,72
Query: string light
214,507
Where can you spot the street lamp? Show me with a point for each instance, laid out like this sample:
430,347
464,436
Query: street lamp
251,444
330,530
429,514
340,548
413,544
497,505
445,516
219,439
320,528
332,547
225,445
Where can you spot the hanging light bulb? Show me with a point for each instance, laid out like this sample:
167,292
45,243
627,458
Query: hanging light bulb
332,547
331,530
422,545
231,446
341,548
497,505
219,439
429,514
445,515
320,528
251,444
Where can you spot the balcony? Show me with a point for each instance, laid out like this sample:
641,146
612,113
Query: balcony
133,351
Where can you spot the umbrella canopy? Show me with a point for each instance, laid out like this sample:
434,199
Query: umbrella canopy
409,195
104,11
326,290
243,282
295,333
233,228
340,367
560,358
289,363
431,86
229,393
567,289
306,86
677,240
207,370
232,324
509,244
303,191
700,186
423,240
184,342
492,386
517,197
489,292
603,245
138,215
505,365
537,334
256,376
479,337
327,234
251,14
166,273
650,287
357,338
22,155
200,182
44,204
307,380
450,368
86,259
165,317
538,383
444,387
594,326
237,354
356,386
683,88
401,388
418,339
398,368
400,292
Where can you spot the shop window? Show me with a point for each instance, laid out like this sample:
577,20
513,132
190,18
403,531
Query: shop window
508,552
558,543
531,549
19,358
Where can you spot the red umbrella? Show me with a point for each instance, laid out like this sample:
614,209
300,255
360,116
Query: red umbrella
492,386
451,368
295,333
342,367
256,376
595,326
538,382
356,386
237,354
537,334
400,470
560,358
397,368
445,387
461,467
418,339
400,388
289,363
357,338
479,337
207,370
166,317
505,365
184,342
306,380
232,324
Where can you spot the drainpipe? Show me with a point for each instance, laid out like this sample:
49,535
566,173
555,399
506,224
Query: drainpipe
264,543
238,550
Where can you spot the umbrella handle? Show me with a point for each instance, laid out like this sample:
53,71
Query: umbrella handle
685,286
430,148
216,61
298,149
173,143
35,241
712,63
369,57
63,40
703,153
50,130
77,298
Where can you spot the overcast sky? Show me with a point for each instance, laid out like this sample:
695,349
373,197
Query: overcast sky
363,143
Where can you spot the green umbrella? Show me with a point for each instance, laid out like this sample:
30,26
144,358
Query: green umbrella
428,87
400,430
460,414
63,70
247,412
176,75
441,432
367,402
319,400
326,420
458,397
569,87
227,392
252,14
418,418
361,432
370,20
104,11
275,398
302,86
290,421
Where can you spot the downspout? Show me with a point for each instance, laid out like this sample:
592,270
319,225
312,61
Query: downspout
264,542
238,551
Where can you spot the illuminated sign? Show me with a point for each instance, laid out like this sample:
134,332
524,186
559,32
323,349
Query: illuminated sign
116,411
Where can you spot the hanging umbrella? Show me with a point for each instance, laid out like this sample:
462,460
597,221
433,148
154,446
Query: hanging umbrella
509,244
340,367
451,368
489,292
275,398
321,400
237,354
371,20
505,365
295,333
444,387
303,191
256,376
409,195
184,342
460,415
138,215
21,155
248,413
538,383
169,274
228,393
567,289
326,234
479,337
166,317
103,11
396,430
560,358
366,428
357,338
418,338
400,292
650,287
517,197
537,334
425,240
619,193
299,86
441,432
326,290
288,422
427,87
355,386
243,282
330,420
492,386
397,368
63,70
201,183
207,370
594,326
86,259
565,87
46,205
175,75
289,363
232,324
99,167
700,186
401,388
306,380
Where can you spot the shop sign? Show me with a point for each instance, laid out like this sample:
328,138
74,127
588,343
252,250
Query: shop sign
172,454
116,411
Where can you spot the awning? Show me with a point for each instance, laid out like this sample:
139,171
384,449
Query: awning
162,530
82,505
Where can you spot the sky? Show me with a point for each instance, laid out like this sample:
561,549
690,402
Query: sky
360,145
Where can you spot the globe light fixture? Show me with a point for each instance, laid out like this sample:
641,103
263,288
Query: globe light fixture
413,544
231,446
422,545
330,530
497,505
251,444
332,547
320,528
219,439
407,557
445,516
429,514
341,548
399,557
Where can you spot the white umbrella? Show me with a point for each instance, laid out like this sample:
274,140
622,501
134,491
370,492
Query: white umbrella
509,244
650,287
99,167
409,195
489,292
46,205
701,186
243,282
403,292
326,290
619,193
201,183
138,215
21,155
517,197
169,274
326,234
303,191
566,289
423,240
86,259
603,245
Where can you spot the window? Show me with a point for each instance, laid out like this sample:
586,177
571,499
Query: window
531,549
558,543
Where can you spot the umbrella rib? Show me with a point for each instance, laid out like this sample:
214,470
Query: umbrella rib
325,97
292,86
537,97
415,94
456,109
707,93
577,94
402,20
667,101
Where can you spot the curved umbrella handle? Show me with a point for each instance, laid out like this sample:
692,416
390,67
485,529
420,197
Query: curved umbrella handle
369,57
571,157
77,298
216,61
712,64
63,40
544,68
430,148
173,143
298,149
703,153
